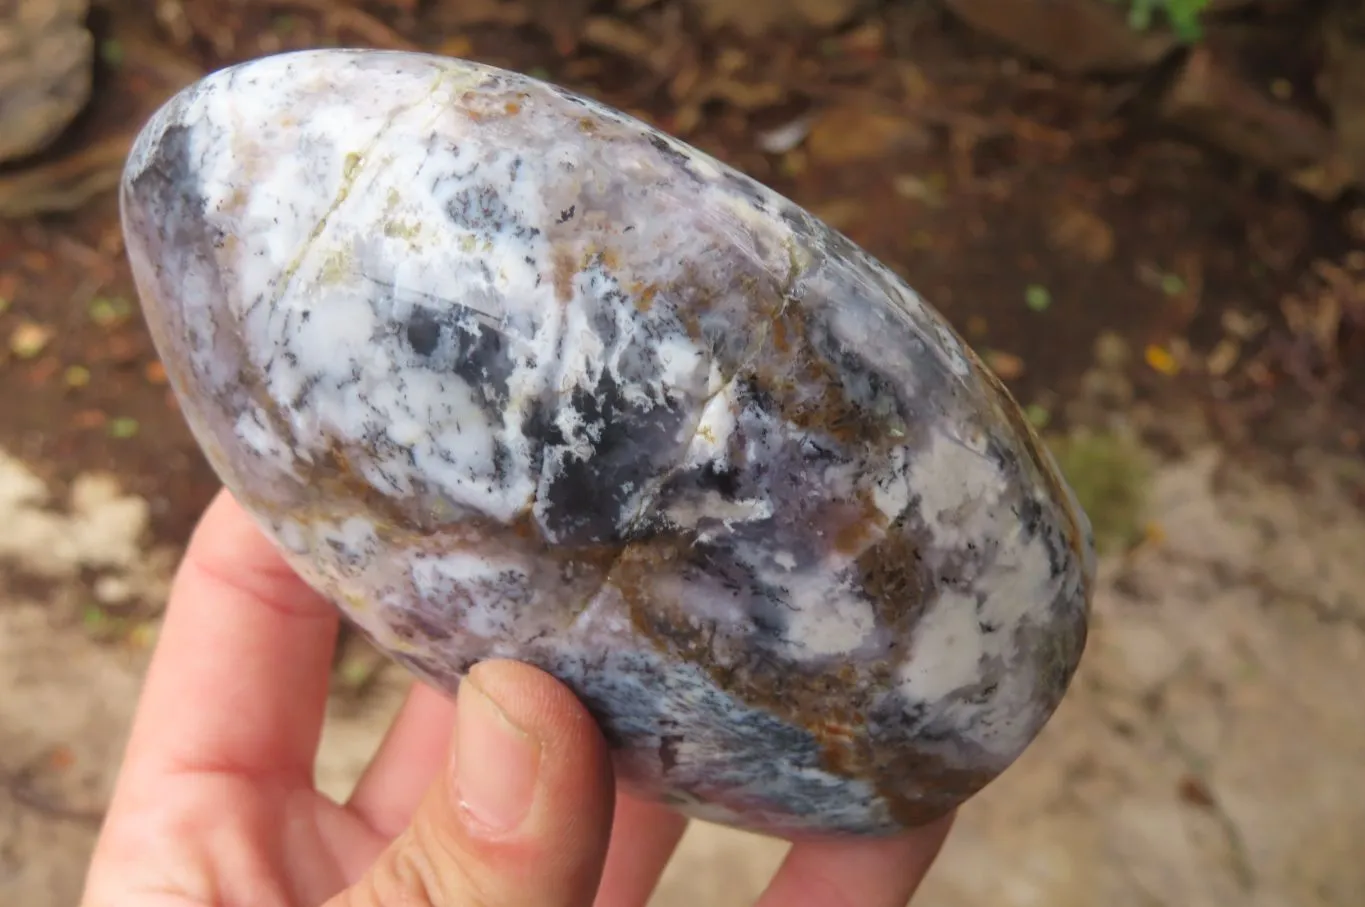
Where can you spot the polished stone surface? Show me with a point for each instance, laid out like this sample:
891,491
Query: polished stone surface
506,373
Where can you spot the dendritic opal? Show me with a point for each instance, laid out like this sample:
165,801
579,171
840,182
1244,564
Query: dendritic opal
507,373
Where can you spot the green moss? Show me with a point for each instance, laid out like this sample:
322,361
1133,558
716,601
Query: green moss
1110,474
1182,15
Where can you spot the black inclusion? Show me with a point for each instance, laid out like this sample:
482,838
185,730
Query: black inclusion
631,446
724,480
424,332
586,499
170,190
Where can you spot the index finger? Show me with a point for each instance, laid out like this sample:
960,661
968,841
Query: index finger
238,682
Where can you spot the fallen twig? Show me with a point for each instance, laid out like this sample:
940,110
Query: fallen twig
65,184
341,17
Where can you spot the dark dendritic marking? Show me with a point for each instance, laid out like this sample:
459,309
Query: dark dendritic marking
480,358
668,750
481,209
567,95
669,150
456,339
169,208
1036,519
171,179
736,748
675,156
753,192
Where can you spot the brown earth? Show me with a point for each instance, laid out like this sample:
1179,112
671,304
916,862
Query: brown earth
1117,276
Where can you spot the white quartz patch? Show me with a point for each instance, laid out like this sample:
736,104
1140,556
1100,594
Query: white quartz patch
712,435
485,594
351,204
962,632
957,485
254,429
948,649
828,617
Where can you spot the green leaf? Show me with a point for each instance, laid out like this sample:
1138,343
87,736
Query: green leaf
1183,16
109,310
1038,415
1037,297
111,52
123,428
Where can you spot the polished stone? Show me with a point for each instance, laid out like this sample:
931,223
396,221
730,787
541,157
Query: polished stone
507,373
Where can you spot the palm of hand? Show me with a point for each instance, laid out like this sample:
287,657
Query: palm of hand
216,807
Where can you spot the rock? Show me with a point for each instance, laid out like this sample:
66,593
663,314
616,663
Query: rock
1213,100
1069,36
46,65
507,373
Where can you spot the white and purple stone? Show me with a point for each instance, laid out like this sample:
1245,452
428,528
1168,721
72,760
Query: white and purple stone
507,373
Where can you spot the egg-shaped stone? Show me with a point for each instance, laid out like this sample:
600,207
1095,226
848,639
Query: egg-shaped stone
506,373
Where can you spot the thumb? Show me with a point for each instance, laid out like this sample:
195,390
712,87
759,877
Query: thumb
521,817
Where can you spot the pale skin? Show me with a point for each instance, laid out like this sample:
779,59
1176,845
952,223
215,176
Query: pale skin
504,798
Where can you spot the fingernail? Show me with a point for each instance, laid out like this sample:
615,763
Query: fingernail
496,763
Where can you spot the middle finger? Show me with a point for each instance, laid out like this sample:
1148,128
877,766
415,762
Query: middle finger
643,838
414,750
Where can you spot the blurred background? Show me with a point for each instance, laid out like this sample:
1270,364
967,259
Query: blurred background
1148,217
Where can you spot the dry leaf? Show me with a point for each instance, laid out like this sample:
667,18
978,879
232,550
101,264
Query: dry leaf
616,36
1223,357
1006,365
1161,360
786,137
1082,233
1195,792
744,95
30,338
928,192
848,135
756,18
840,213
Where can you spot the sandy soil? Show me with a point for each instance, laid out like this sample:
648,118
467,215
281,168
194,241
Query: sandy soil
1208,754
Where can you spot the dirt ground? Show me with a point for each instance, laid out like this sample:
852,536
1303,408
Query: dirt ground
1165,313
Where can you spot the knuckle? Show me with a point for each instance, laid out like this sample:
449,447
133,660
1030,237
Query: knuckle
421,870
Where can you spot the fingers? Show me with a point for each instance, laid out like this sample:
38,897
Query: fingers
521,815
878,873
238,682
413,753
644,836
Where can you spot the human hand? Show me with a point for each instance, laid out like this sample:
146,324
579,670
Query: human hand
503,798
